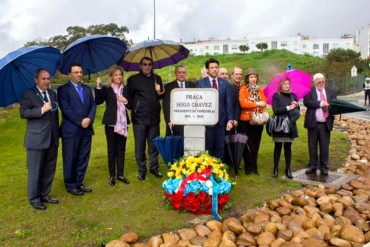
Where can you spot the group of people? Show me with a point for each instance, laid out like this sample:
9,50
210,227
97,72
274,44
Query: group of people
142,95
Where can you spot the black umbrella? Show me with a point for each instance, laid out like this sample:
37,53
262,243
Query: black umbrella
338,106
235,144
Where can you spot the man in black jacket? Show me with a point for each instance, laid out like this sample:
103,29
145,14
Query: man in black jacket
180,82
144,92
319,123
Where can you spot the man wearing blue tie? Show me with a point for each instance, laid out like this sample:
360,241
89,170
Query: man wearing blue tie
78,112
215,134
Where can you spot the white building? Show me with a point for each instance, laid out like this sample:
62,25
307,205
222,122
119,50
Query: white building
298,44
363,37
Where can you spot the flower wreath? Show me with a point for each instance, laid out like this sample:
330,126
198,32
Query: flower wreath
198,184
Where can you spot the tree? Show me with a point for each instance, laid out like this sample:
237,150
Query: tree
76,32
262,46
243,48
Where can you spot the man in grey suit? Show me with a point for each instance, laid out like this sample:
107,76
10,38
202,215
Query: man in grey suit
39,106
319,123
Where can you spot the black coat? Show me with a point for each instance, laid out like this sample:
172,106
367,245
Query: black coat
280,101
143,99
108,95
234,91
311,102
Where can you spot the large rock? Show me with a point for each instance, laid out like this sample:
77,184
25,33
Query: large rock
340,242
187,233
246,239
227,243
265,238
117,243
155,241
229,235
198,240
170,237
202,230
352,233
216,235
225,223
130,237
214,225
314,243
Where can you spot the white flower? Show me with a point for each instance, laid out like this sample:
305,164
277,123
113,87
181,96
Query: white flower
210,191
209,184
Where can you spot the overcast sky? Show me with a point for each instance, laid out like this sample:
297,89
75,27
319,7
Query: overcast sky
27,20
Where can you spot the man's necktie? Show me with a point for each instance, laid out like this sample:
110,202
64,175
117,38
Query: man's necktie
325,110
80,92
214,84
181,85
45,98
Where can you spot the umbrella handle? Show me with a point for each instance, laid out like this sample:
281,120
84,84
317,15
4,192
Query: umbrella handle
171,130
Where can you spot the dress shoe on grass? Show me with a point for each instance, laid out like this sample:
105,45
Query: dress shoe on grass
38,205
141,177
123,179
76,192
112,181
156,173
50,200
85,189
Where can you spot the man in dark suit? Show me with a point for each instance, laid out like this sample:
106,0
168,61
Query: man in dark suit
144,92
215,134
236,78
78,111
180,82
319,123
39,106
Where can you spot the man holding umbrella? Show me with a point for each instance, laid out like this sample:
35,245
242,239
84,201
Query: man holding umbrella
144,92
319,123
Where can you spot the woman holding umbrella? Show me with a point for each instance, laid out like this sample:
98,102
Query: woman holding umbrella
285,104
116,122
251,98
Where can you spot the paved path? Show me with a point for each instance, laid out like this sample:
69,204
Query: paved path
357,99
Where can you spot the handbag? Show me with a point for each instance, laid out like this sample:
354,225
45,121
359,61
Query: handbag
259,118
279,126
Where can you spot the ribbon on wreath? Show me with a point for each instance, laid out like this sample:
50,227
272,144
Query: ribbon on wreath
204,176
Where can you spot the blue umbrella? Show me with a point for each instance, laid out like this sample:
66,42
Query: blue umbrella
170,148
162,52
17,70
95,53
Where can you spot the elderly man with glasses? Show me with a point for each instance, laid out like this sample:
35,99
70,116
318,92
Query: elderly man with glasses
144,92
319,123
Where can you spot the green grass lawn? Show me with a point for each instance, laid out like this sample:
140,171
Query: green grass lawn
109,212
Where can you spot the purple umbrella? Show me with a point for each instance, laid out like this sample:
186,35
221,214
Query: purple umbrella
300,84
162,52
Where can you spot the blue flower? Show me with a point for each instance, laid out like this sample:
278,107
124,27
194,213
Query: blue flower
171,185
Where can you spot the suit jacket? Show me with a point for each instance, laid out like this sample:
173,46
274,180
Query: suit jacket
167,97
225,110
311,102
74,111
41,128
234,90
108,95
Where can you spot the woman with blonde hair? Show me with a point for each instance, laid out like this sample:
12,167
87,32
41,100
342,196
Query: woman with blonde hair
285,104
251,99
116,122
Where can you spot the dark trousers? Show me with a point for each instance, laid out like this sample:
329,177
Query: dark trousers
215,140
146,133
41,164
287,154
116,146
367,96
254,133
319,138
76,155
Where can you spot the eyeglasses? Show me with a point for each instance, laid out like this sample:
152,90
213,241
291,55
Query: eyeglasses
146,64
321,82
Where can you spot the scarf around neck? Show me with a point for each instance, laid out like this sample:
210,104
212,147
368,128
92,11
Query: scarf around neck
121,125
253,89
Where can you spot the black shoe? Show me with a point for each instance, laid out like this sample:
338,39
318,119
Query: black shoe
38,205
324,173
50,200
76,192
310,170
123,179
275,173
84,189
288,174
141,177
156,173
112,181
248,172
